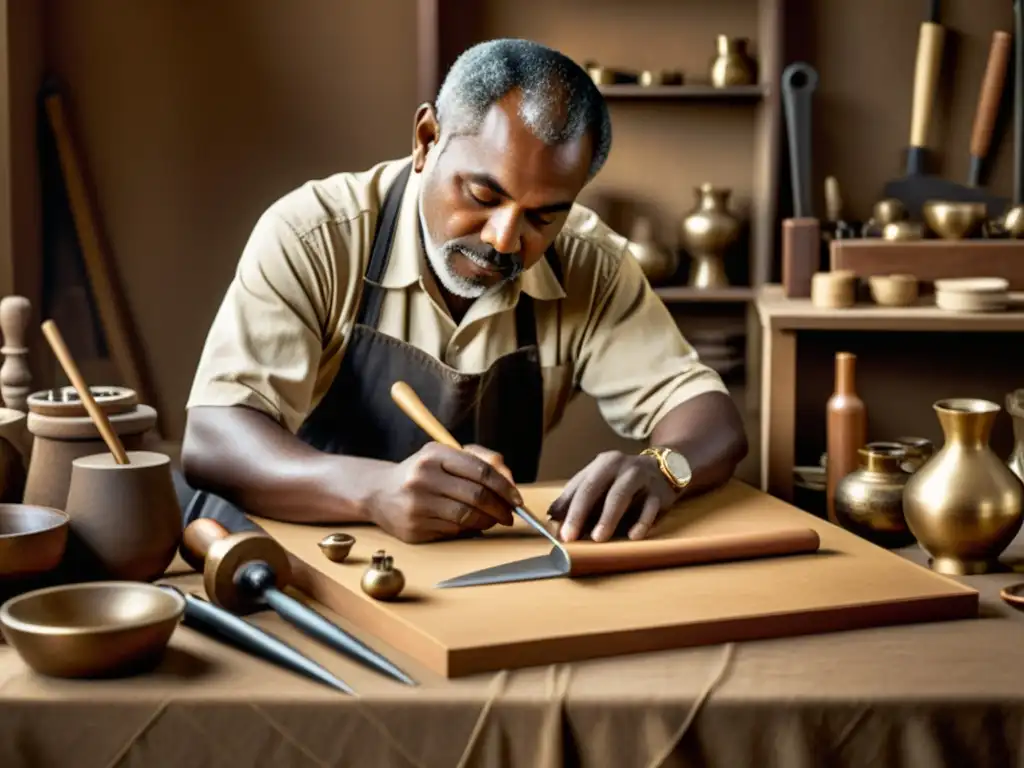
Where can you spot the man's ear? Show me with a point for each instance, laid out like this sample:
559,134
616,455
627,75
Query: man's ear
426,133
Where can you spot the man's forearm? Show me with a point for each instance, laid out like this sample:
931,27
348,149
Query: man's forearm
251,461
709,432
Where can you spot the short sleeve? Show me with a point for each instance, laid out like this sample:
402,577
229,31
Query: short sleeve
633,359
264,347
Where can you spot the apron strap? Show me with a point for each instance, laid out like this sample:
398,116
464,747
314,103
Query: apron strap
526,322
372,294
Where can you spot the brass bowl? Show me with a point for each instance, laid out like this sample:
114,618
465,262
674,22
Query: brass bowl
336,546
954,221
893,290
32,540
92,630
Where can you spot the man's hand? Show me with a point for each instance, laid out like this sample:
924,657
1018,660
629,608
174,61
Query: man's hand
440,492
608,487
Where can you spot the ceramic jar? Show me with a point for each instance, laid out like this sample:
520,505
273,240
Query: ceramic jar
964,505
733,65
708,231
869,500
59,440
125,521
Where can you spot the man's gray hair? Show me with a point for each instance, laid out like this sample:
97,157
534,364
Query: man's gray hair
559,100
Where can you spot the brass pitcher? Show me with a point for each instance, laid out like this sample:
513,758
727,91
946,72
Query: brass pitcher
708,232
964,505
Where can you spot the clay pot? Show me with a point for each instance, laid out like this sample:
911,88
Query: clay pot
869,500
659,264
58,441
964,505
733,65
15,443
707,233
125,519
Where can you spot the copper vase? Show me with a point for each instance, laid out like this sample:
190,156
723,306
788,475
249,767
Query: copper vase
964,505
846,427
707,233
733,65
869,500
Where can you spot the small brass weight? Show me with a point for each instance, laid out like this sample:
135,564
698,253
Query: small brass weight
382,581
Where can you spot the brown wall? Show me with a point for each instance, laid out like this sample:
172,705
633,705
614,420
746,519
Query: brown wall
194,116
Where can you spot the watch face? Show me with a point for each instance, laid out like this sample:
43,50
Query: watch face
678,466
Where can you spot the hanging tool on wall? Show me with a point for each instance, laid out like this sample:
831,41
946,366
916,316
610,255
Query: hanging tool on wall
801,233
918,186
107,294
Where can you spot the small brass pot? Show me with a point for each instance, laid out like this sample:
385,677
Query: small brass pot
954,220
869,500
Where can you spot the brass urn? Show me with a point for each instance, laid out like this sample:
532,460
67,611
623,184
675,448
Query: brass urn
964,505
707,233
658,263
869,500
733,65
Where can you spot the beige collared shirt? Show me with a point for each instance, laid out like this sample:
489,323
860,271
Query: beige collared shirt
278,338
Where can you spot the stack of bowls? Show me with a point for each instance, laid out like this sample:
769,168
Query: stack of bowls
972,294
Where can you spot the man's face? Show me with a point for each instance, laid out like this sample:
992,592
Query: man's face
492,202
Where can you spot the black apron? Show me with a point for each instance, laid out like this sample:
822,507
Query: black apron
501,408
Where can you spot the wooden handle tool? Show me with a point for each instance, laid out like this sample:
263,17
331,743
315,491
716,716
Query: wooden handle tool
988,103
99,418
928,66
414,408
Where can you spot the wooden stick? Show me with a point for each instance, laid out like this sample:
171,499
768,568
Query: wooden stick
99,418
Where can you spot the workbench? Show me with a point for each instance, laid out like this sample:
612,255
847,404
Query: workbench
941,693
783,321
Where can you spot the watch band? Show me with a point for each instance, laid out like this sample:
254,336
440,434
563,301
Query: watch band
659,455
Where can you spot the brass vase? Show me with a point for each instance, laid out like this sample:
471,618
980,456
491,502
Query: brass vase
964,505
733,65
659,264
1015,407
869,500
708,232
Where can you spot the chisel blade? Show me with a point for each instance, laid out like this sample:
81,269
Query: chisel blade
549,566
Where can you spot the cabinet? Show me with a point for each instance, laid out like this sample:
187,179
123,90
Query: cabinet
667,140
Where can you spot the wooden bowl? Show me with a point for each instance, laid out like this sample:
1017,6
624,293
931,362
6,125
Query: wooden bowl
92,630
893,290
32,540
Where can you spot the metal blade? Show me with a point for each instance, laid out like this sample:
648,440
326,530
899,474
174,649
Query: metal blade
330,634
538,526
549,566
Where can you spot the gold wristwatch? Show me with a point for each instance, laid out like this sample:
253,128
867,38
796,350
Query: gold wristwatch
673,465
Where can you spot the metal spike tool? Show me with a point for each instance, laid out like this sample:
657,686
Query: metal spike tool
223,625
244,571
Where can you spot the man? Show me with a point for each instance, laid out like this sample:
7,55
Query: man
467,271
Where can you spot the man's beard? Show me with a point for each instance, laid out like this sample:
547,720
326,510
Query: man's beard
442,262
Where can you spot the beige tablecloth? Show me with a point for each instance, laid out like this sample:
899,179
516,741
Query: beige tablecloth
949,694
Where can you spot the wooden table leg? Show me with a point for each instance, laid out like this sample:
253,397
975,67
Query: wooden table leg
778,413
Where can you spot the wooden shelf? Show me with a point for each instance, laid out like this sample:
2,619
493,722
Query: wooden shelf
695,91
777,313
681,294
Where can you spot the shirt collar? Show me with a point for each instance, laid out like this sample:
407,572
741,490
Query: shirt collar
408,260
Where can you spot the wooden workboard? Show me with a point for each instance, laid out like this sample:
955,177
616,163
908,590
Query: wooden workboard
849,584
